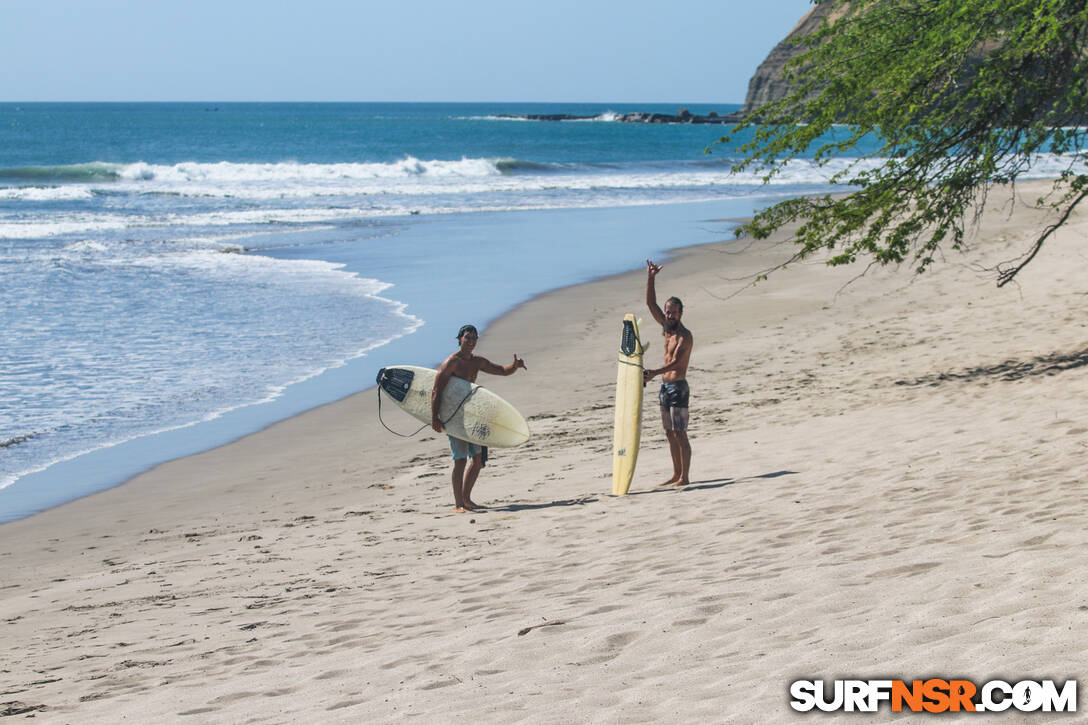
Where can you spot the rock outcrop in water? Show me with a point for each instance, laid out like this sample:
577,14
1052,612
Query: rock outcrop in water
682,116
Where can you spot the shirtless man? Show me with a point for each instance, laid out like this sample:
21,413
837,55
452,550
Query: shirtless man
465,365
673,395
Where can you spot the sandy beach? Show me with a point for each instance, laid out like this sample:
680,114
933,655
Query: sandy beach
888,481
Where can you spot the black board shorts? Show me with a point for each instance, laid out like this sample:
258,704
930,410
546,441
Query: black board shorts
673,398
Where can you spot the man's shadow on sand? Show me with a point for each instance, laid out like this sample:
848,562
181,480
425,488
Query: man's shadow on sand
704,485
550,505
711,483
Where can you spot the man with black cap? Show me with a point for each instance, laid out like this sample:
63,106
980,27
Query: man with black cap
467,366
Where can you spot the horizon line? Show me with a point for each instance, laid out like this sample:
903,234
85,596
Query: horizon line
662,103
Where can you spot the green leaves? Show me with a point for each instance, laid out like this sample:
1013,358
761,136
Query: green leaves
962,94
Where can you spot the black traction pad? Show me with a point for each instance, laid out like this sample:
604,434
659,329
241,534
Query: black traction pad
395,382
629,340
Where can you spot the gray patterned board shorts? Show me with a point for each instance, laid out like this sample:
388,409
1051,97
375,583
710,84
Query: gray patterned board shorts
464,449
673,398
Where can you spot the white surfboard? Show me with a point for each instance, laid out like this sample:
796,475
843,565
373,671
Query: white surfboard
468,411
627,430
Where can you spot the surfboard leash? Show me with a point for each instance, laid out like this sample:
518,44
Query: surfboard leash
636,365
425,425
380,420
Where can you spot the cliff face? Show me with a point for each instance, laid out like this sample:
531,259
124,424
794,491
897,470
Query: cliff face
768,83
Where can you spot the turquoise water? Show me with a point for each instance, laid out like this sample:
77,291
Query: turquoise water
66,134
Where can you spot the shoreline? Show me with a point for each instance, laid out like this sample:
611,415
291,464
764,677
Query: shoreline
369,390
886,481
102,468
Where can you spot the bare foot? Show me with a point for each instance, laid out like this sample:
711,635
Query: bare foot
473,506
680,483
671,482
461,510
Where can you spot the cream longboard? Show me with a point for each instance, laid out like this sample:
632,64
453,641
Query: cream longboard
628,428
470,412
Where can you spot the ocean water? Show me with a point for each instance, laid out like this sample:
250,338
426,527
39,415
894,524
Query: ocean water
178,275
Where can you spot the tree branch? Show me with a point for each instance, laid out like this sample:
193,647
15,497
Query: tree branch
1004,276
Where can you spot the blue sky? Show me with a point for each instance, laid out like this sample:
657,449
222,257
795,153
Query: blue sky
397,50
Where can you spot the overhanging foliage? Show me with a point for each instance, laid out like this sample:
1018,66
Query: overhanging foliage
962,94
